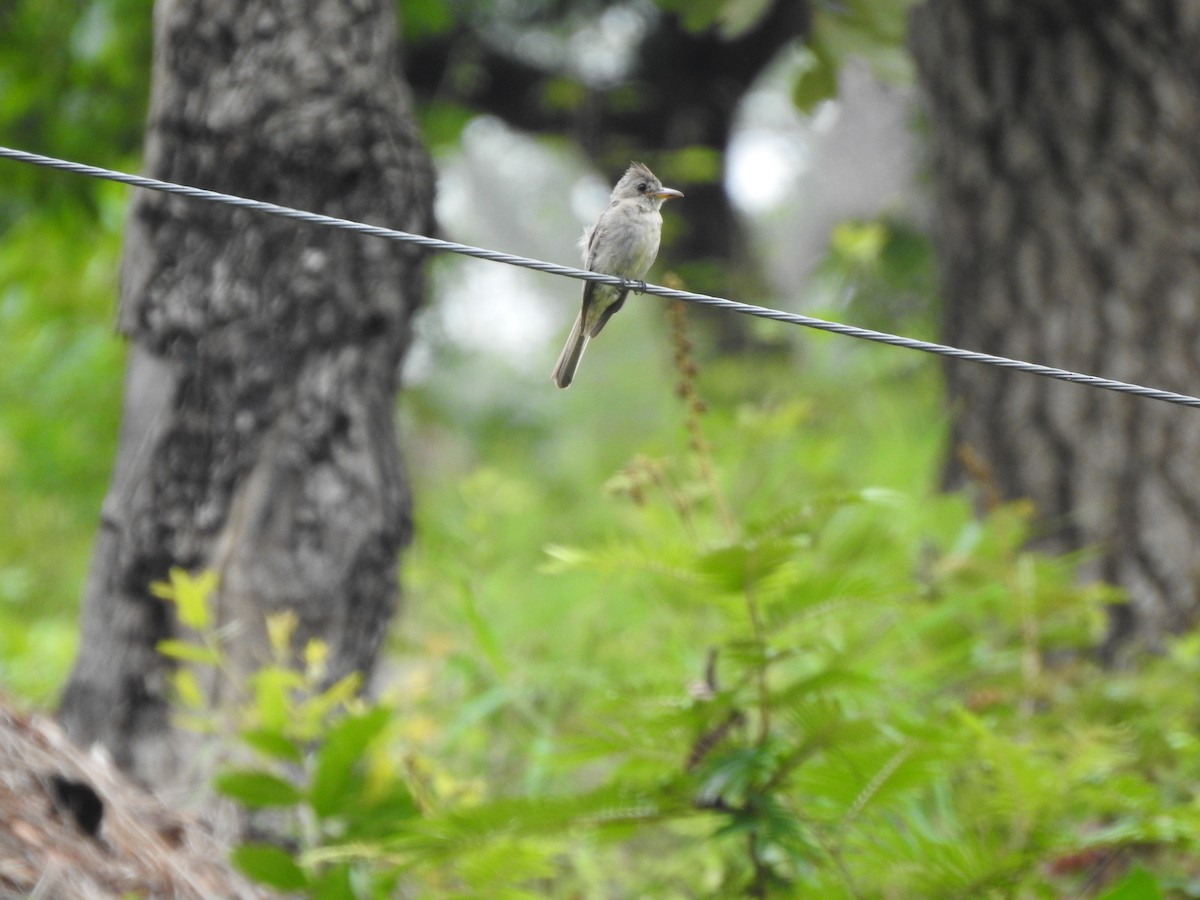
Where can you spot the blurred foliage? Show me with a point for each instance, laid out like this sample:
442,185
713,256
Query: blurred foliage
765,660
871,29
690,165
878,275
74,82
730,18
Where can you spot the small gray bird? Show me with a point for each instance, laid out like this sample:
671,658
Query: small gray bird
623,242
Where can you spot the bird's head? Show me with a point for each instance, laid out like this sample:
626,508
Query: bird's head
639,181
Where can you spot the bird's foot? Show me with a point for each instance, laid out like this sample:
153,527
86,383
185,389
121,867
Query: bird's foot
628,284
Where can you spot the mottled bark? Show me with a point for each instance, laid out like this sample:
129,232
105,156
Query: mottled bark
1064,139
258,434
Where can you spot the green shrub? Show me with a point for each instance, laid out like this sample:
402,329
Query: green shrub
757,680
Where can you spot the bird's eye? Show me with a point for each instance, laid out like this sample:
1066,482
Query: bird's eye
642,187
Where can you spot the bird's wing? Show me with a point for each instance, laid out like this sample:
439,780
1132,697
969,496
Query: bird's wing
590,243
593,235
607,313
585,243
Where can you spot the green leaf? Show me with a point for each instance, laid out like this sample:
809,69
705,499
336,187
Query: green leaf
871,29
187,652
426,20
506,861
563,94
379,814
563,559
272,701
695,165
740,16
1137,885
187,688
442,122
189,594
333,884
695,15
337,757
267,864
257,789
739,566
730,775
314,710
817,80
606,807
272,743
859,243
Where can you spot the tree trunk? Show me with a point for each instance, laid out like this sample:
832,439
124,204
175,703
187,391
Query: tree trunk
258,436
1064,140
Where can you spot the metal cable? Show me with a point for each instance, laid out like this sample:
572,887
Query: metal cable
866,334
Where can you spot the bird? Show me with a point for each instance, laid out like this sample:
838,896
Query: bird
624,243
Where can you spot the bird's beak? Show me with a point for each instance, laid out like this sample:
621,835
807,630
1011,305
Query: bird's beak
667,194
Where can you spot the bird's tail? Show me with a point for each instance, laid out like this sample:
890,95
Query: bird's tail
572,353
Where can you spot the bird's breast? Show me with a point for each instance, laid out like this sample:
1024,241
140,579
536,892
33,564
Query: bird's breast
627,242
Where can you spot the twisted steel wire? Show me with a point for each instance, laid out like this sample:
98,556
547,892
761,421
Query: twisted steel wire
537,265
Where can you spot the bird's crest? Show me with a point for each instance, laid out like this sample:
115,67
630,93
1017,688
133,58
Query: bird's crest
640,170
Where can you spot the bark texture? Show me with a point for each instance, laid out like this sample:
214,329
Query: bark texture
1064,137
258,434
